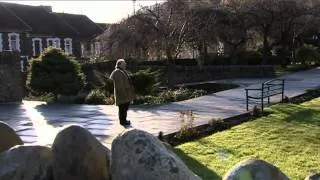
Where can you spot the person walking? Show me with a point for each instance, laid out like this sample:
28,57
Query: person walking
123,90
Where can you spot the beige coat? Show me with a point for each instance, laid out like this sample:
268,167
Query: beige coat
123,88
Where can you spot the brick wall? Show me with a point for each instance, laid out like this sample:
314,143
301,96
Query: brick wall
11,89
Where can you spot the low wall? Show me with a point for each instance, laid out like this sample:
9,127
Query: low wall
11,86
185,74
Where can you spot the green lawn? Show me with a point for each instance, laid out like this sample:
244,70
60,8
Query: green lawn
289,138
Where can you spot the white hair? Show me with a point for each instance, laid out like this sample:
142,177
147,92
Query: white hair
119,61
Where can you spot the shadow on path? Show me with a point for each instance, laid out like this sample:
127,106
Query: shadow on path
90,117
16,116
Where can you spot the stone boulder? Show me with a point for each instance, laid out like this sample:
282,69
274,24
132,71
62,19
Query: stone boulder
255,169
9,138
78,155
26,163
315,176
139,155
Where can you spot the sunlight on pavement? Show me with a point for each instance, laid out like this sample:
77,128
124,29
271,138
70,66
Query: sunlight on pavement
46,133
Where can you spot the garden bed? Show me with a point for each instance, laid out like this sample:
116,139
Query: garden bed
217,125
181,93
209,87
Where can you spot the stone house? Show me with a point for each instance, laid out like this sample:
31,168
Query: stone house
31,29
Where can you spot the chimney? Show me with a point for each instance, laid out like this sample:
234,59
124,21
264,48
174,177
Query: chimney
47,8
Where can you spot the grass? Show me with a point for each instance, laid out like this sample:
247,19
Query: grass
289,138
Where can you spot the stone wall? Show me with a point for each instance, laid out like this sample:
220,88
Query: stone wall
11,89
186,74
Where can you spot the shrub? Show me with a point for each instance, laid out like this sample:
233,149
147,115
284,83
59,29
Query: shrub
298,67
96,96
55,72
46,97
286,99
145,82
79,100
197,93
168,96
248,58
216,122
313,92
148,100
218,60
187,129
256,112
108,86
307,54
181,94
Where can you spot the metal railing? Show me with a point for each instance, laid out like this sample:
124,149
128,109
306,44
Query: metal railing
268,89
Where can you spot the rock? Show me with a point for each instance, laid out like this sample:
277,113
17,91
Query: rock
78,155
255,169
26,163
139,155
9,138
315,176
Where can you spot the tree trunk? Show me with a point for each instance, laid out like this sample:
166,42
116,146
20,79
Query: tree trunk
266,52
55,97
234,58
203,53
170,69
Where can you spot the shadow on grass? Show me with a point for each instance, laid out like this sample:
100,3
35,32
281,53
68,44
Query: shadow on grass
299,114
305,116
198,168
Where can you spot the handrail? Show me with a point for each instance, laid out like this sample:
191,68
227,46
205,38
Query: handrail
272,80
268,88
254,89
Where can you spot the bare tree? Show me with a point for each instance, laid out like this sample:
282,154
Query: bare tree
169,25
290,17
235,26
262,15
129,38
203,29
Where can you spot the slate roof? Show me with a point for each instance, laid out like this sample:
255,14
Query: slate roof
103,26
10,22
39,20
82,24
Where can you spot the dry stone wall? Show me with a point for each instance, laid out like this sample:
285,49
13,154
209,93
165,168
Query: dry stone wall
184,74
11,86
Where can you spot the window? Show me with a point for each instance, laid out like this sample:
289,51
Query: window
1,46
23,63
68,45
82,50
315,37
92,48
37,46
97,48
54,42
14,42
220,49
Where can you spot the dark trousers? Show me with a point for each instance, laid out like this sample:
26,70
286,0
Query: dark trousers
123,108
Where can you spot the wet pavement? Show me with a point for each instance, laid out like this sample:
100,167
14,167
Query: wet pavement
38,122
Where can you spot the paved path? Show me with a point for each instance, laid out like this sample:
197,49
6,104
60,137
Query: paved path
37,122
